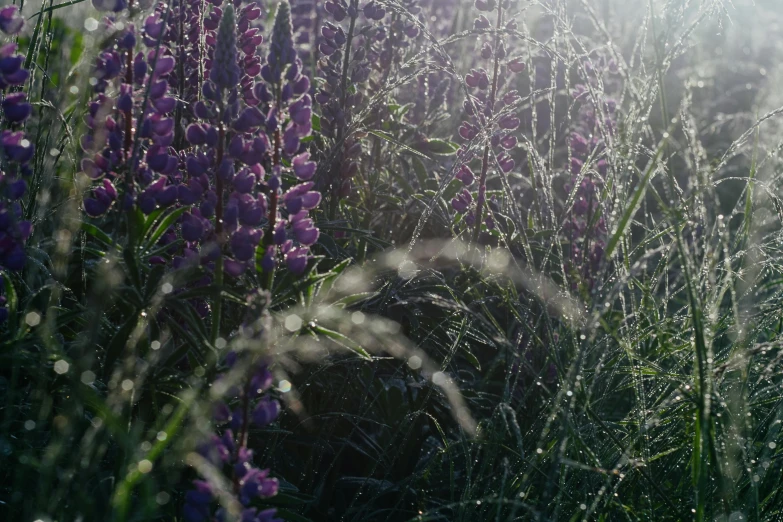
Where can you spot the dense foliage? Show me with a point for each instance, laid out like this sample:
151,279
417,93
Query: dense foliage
390,260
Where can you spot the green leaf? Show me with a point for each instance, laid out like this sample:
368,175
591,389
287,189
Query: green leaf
399,110
117,344
343,340
207,292
136,225
287,514
331,276
391,200
153,281
151,218
384,136
132,262
441,147
98,234
12,300
421,172
452,189
632,207
353,299
163,225
406,187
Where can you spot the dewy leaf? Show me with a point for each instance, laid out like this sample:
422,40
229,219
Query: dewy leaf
98,234
343,340
154,234
384,136
421,172
441,147
634,204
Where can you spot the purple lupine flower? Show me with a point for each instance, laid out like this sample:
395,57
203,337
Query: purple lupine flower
197,502
265,412
16,152
585,229
517,65
11,21
230,451
256,483
462,201
351,53
303,167
465,175
305,19
225,71
283,75
485,104
281,49
110,5
241,133
11,71
340,45
296,259
109,146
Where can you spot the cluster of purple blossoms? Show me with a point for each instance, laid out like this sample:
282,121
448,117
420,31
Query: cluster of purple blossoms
350,51
483,105
585,229
11,21
229,452
433,91
181,32
222,149
243,148
344,62
394,37
306,18
16,150
131,85
248,404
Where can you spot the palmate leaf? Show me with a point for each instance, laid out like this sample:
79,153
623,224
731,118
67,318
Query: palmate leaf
440,147
12,301
154,277
193,339
118,343
354,299
207,291
391,139
157,227
406,187
98,234
342,340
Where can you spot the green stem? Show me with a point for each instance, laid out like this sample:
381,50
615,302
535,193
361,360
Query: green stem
335,181
129,112
485,159
242,439
218,300
701,443
269,238
122,496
